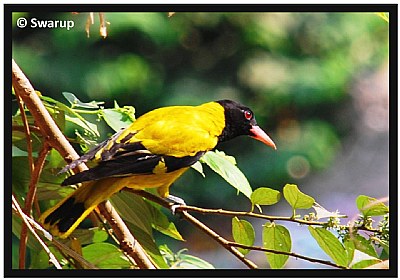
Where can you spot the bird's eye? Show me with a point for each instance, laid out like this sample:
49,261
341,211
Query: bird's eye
248,114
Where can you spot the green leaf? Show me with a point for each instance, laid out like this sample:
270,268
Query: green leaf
350,247
58,116
75,102
243,233
189,261
85,124
148,243
133,209
106,256
161,223
265,196
364,245
118,118
224,166
198,167
70,115
16,225
54,160
89,236
296,198
369,206
181,260
362,260
276,237
364,263
330,245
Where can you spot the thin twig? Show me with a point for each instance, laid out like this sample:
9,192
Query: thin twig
103,25
291,254
52,258
262,216
24,230
57,140
32,128
30,197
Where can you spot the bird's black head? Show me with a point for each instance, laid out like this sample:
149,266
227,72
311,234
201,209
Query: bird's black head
240,120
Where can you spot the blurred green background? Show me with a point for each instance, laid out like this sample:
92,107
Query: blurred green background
297,72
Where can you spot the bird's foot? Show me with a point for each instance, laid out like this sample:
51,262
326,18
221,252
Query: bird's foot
177,201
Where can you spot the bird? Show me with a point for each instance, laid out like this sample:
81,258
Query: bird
152,152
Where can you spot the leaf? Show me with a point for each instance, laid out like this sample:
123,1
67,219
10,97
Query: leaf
133,209
54,160
364,245
224,166
265,196
243,233
71,115
369,206
148,243
330,245
362,260
161,223
75,102
85,124
198,167
91,235
181,260
189,261
106,256
350,248
296,198
365,263
118,118
276,237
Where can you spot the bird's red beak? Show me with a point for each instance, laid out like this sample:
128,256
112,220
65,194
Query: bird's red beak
260,135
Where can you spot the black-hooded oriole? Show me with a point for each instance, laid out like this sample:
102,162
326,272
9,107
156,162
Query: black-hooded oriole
150,153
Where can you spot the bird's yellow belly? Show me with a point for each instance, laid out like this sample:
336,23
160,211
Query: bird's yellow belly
138,182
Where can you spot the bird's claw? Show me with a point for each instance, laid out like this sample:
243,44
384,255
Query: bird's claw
177,201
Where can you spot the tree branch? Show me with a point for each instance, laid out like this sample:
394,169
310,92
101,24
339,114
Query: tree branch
265,217
291,254
30,197
18,209
24,230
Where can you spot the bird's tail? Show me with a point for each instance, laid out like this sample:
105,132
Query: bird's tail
66,215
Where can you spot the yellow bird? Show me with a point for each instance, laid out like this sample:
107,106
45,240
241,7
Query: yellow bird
152,152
